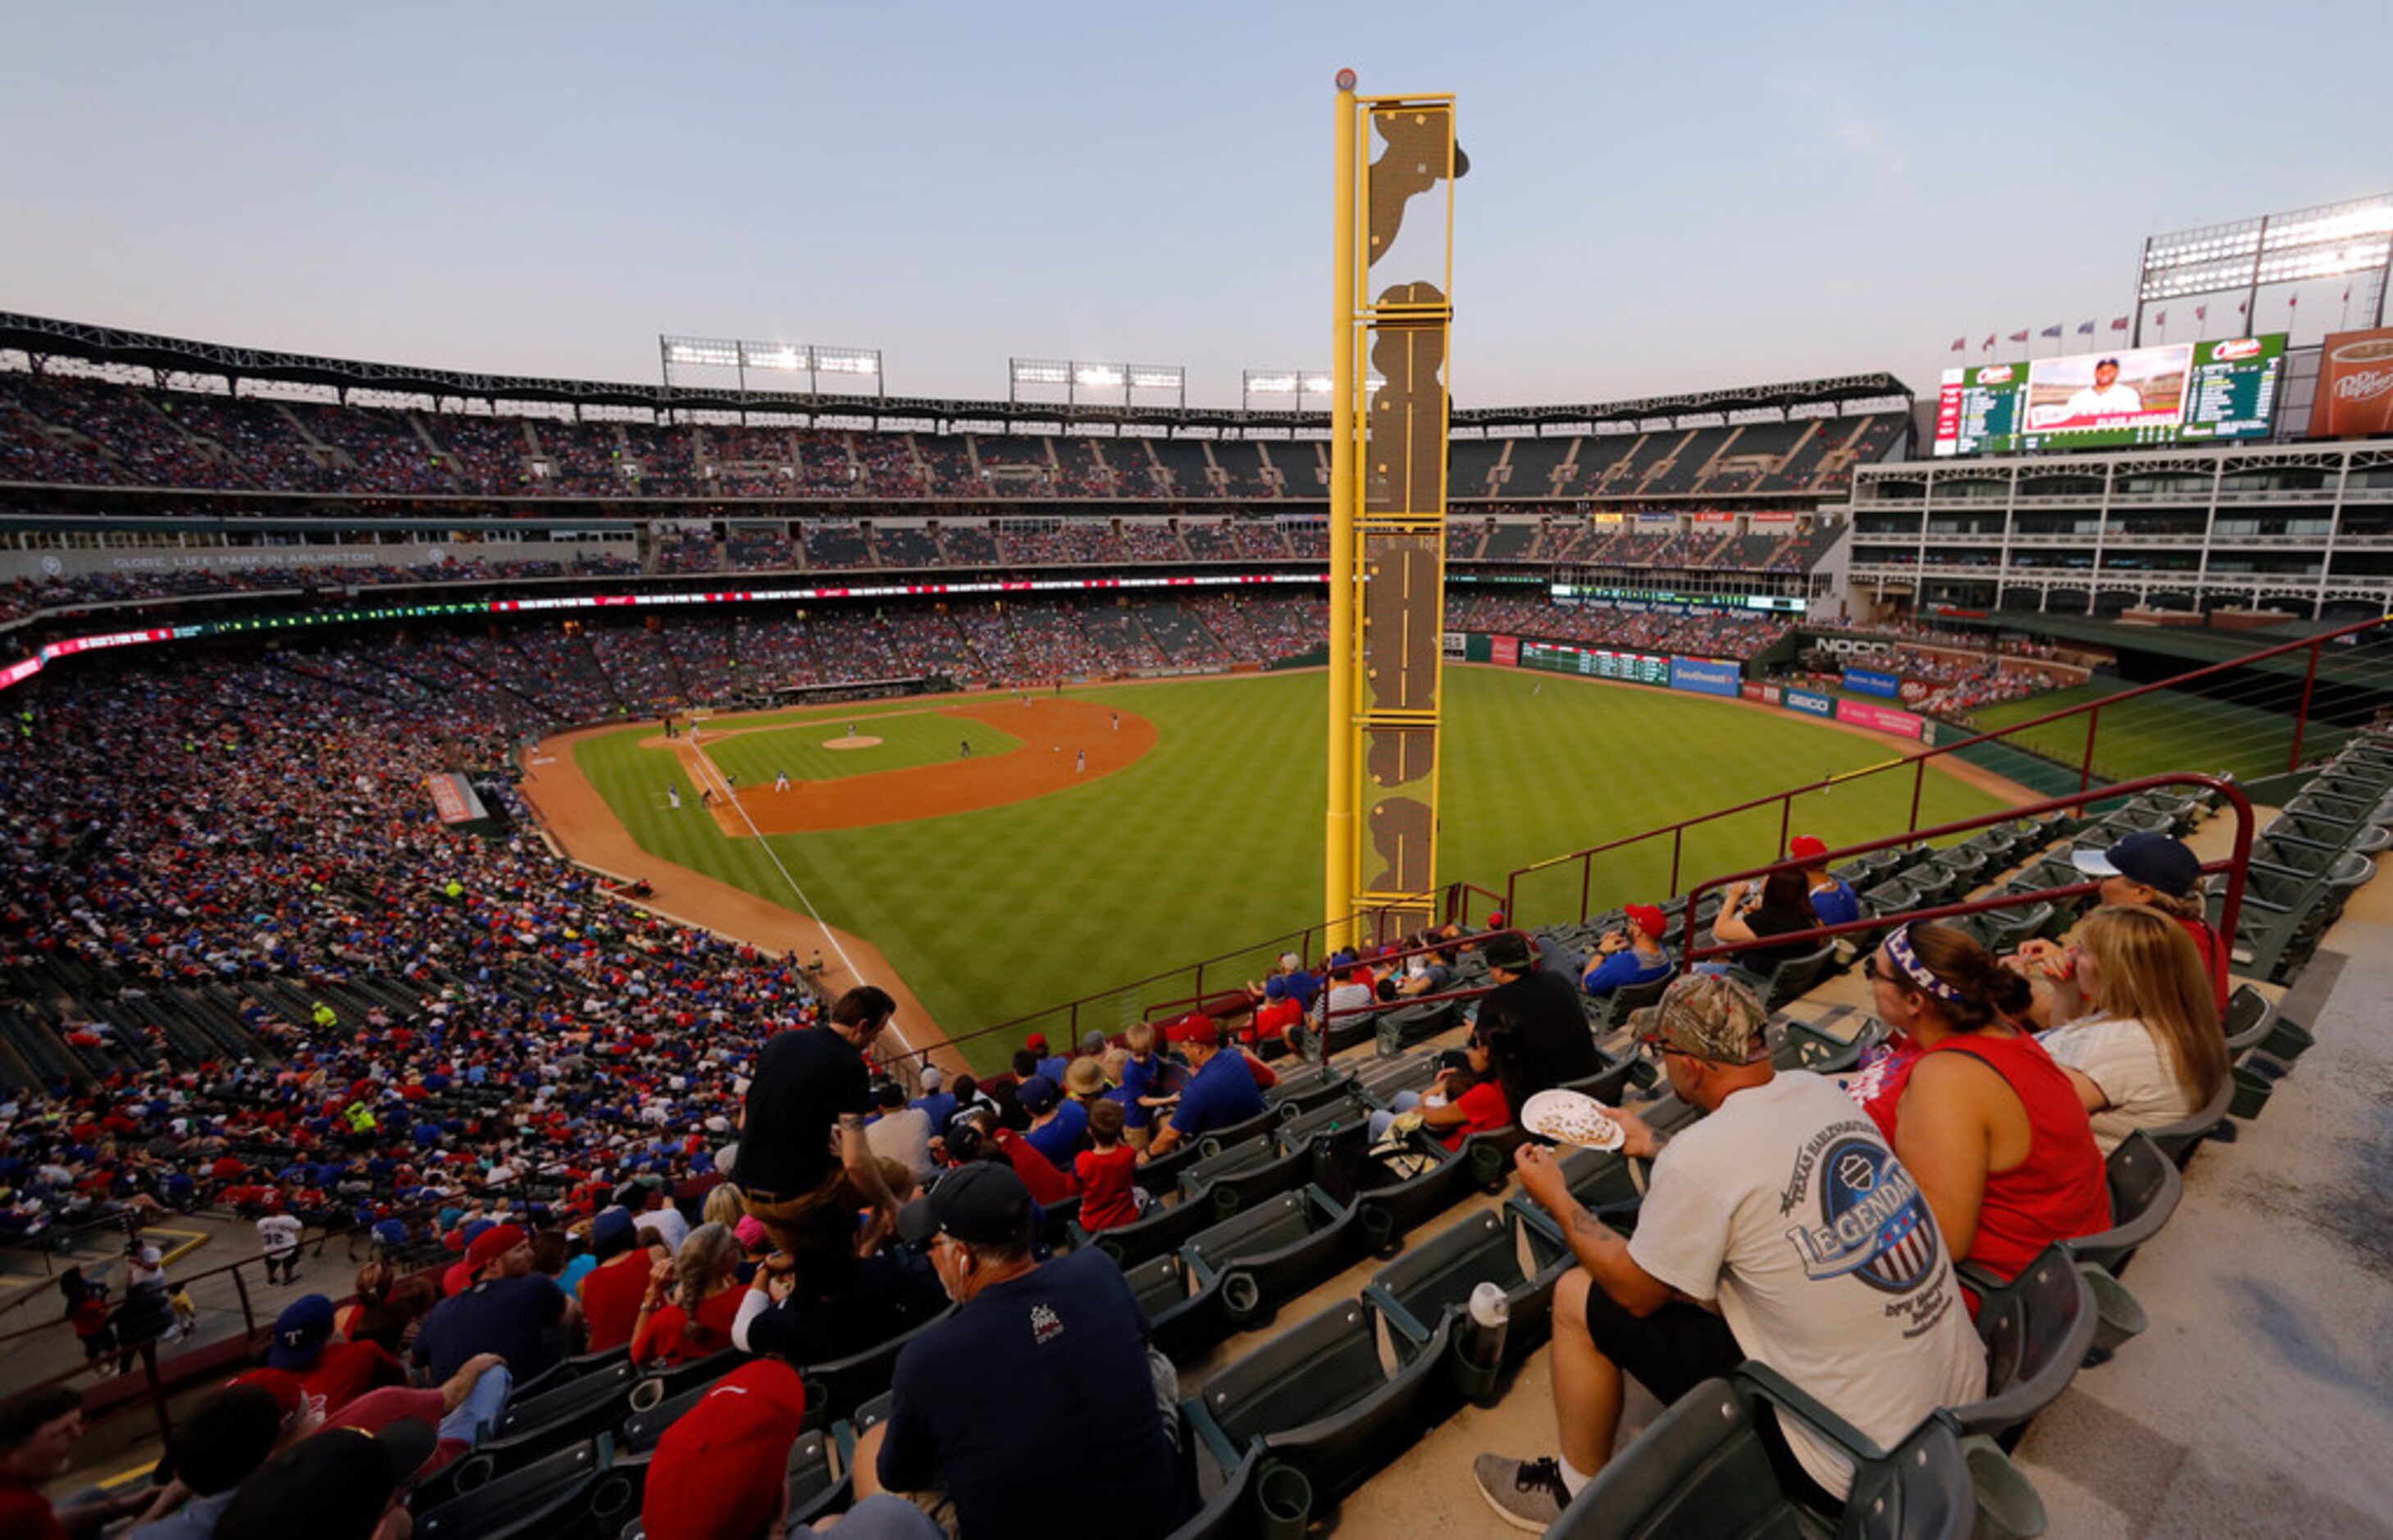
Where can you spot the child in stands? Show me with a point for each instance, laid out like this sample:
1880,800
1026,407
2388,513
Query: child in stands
1108,1197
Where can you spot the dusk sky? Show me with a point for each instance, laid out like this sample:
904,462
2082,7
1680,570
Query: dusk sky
1662,197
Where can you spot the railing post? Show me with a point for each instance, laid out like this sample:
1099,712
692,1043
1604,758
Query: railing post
2302,717
1586,878
1200,986
1918,782
1678,843
1786,819
2085,769
248,1316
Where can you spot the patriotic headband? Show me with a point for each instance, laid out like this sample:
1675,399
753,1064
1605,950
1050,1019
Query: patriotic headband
1898,946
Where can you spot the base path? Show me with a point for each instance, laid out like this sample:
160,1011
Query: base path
1057,731
578,818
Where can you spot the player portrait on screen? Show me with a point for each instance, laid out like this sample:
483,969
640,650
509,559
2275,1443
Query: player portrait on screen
2141,387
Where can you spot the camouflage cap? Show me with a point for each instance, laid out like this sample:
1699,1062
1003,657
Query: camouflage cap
1707,1016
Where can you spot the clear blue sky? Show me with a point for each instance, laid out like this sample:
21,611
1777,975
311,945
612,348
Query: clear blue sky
1664,197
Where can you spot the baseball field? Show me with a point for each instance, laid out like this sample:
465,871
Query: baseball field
1023,875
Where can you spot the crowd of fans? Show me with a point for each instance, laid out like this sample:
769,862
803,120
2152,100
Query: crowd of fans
1735,634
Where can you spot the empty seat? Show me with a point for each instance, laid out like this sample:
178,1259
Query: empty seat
1273,1252
1244,1173
533,1499
1160,1231
837,1388
2145,1187
2037,1329
1433,1283
1319,1398
1184,1319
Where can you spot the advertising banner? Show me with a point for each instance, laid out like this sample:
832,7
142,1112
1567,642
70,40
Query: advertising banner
1871,682
1804,700
1504,651
1706,676
1877,718
2355,386
1457,644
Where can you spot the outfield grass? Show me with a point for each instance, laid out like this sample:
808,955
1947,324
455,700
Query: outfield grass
1213,841
2161,731
909,737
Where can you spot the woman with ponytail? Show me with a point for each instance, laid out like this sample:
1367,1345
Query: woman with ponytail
1989,1125
703,1277
2137,1026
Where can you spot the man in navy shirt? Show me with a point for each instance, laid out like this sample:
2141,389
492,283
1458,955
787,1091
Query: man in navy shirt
508,1310
1832,897
1218,1095
1038,1359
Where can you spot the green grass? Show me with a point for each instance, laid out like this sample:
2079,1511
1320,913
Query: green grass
1213,841
907,737
2163,731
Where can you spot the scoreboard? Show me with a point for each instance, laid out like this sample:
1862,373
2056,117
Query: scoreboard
2180,393
1640,668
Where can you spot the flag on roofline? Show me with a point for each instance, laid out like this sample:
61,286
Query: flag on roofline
1989,342
2202,312
2160,318
2119,323
2292,300
1960,343
2085,328
2239,306
2019,336
2052,331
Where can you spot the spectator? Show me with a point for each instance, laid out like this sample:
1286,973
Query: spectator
38,1433
704,1279
397,1320
900,1133
1540,1010
1277,1015
1426,973
1625,959
2006,1160
808,1086
1350,993
87,1309
2153,870
2138,1037
346,1481
373,1285
977,1400
1056,1121
724,1206
1749,919
1150,1083
977,1135
937,1103
218,1445
721,1471
331,1375
645,1197
508,1310
610,1292
1221,1094
1833,899
1106,1172
1479,1098
278,1236
1862,1316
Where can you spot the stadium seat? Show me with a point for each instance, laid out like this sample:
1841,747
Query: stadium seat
535,1499
813,1489
2145,1188
533,1426
1318,1398
1792,977
1701,1469
1244,1173
558,1373
836,1389
1383,1080
2177,1140
2037,1329
1182,1321
1408,1025
1159,1232
2249,1015
1820,1046
1612,1012
1431,1284
1237,1133
1301,1091
1606,1085
1384,1214
1269,1254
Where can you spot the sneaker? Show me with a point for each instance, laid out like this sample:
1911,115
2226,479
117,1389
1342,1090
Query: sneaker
1525,1493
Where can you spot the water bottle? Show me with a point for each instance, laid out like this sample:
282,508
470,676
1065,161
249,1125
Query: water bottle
1482,1345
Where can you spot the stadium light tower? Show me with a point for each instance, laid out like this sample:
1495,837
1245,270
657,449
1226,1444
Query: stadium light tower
680,356
1115,384
1299,383
1393,310
2332,240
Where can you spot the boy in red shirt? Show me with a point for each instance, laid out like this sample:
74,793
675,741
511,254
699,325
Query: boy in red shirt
1108,1197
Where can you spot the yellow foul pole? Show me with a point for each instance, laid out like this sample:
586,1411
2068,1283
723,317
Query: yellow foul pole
1338,893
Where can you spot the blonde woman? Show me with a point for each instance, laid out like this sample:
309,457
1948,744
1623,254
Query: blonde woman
2140,1036
724,1206
702,1278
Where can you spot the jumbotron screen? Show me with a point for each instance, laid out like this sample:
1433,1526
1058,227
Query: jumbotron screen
2180,393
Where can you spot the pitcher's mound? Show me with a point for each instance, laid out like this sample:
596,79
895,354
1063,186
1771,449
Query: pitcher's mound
864,741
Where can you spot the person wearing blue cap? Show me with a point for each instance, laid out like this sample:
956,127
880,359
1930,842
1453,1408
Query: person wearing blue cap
331,1373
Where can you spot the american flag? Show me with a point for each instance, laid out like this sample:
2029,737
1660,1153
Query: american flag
1906,1245
2119,323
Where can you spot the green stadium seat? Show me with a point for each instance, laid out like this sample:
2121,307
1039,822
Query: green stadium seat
1433,1283
837,1388
1263,1257
534,1499
2037,1329
2145,1187
1161,1232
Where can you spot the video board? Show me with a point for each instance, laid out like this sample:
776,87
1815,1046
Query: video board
2179,393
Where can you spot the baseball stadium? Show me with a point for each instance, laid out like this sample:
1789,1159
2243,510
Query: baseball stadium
610,935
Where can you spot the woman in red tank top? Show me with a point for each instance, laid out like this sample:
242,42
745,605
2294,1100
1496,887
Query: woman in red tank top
1989,1125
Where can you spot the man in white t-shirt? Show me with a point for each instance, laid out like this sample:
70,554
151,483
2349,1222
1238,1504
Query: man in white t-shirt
278,1236
2106,396
1779,1228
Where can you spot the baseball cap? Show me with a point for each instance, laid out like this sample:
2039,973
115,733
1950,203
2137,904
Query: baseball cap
1038,1094
300,1333
1508,952
2153,859
491,1244
1707,1016
749,1232
1092,1042
1276,987
932,1079
1495,920
1808,847
1036,1042
1194,1028
612,1227
343,1479
979,1202
720,1467
1649,919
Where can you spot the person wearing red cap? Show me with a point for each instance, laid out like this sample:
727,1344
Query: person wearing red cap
1219,1094
1832,897
509,1311
1629,958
